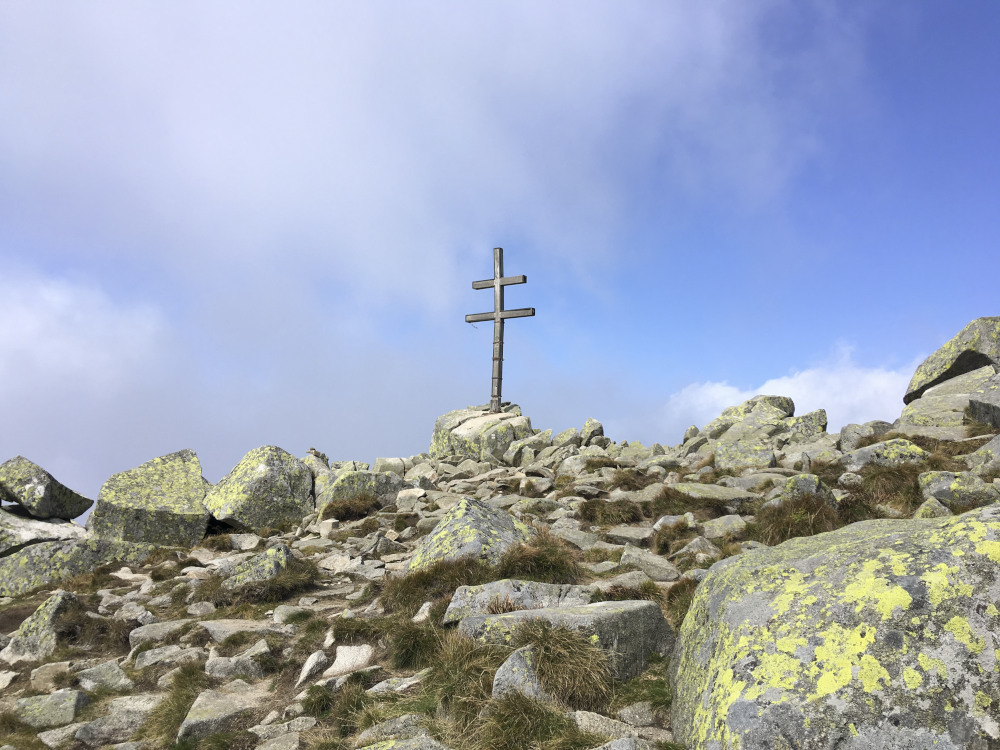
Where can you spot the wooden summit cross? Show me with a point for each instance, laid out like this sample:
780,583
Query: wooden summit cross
497,283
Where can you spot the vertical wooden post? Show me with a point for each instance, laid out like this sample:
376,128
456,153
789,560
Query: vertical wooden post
497,330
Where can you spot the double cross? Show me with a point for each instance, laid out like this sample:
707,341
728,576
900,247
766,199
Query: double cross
498,316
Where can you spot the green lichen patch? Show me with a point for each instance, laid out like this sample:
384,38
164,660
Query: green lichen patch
819,634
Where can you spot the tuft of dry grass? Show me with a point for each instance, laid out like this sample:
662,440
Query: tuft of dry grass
569,666
300,576
515,722
802,516
545,558
351,508
461,677
645,590
599,462
670,502
610,513
631,479
671,538
162,724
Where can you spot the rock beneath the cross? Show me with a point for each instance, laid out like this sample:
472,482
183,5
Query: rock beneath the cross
38,492
475,432
160,502
269,487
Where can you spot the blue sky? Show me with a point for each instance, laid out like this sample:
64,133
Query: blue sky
228,224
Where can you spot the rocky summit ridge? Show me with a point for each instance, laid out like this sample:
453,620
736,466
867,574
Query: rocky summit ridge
761,584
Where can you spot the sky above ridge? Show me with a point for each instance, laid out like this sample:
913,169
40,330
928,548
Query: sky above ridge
230,224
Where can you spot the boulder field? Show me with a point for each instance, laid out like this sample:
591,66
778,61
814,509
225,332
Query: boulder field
763,583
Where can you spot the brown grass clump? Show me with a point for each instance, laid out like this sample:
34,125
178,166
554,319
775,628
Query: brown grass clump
351,508
802,516
631,479
645,590
500,606
300,576
670,538
515,722
217,542
670,502
610,513
162,724
436,582
461,677
599,462
545,558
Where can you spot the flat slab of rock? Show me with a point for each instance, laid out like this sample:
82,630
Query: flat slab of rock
124,718
219,630
38,492
940,411
471,528
629,631
52,710
107,675
18,531
267,488
219,710
858,638
46,563
976,345
729,495
157,632
476,600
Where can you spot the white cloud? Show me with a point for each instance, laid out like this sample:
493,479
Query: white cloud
849,392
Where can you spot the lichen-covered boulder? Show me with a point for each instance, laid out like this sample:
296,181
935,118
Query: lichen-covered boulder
160,502
803,485
471,528
629,631
38,492
883,634
732,496
975,346
384,485
805,428
940,411
46,563
765,414
18,531
38,636
958,490
262,567
895,452
984,402
56,709
986,459
851,434
476,600
745,453
475,432
269,487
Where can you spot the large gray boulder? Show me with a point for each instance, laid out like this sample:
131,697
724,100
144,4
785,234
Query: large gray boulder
383,485
45,563
269,487
260,568
851,434
880,635
475,432
471,528
38,492
959,491
17,531
160,502
762,414
38,636
984,403
940,411
629,631
975,346
124,718
53,710
220,710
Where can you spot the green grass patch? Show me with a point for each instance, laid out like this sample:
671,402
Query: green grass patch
650,686
163,722
515,722
677,601
599,555
241,740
